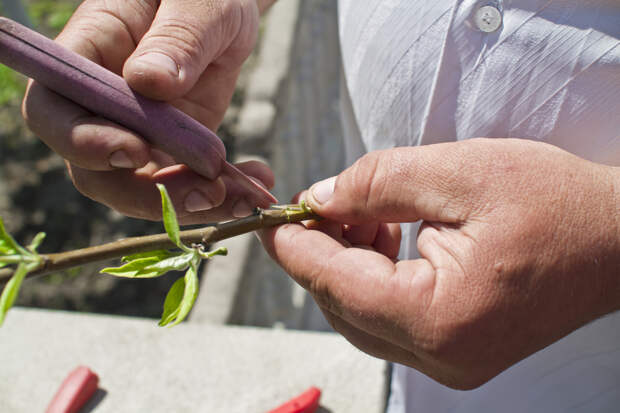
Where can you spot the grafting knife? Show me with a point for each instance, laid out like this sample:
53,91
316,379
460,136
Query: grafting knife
107,94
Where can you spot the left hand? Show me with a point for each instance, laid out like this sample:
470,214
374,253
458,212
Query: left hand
520,245
186,53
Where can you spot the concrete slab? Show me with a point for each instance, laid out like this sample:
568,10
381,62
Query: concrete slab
188,368
306,146
220,282
255,122
275,48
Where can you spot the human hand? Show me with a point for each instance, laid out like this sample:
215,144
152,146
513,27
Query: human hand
519,246
186,53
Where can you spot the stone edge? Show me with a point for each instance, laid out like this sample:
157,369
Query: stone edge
221,277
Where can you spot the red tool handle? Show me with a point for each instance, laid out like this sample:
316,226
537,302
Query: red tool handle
74,392
307,402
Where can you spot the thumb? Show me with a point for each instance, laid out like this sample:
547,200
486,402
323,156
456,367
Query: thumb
397,185
184,38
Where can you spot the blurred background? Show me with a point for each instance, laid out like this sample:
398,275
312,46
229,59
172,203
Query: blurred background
284,111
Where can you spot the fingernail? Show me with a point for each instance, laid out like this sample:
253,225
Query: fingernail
323,191
159,60
119,159
241,209
196,201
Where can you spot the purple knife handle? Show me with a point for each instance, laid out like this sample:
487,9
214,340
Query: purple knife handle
108,95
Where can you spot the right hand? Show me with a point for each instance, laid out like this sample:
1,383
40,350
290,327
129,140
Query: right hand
186,53
519,246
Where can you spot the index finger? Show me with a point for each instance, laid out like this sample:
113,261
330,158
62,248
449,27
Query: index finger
365,288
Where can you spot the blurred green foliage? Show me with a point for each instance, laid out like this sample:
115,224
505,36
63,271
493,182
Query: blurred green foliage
12,86
51,13
49,16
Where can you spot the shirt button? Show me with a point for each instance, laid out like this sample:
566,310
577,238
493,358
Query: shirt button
488,18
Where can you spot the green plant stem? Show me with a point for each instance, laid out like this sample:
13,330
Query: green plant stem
207,235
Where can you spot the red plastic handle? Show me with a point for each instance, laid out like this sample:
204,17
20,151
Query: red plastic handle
74,392
307,402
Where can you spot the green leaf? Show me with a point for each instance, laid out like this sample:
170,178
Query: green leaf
170,218
12,86
134,269
161,254
36,242
220,251
59,19
190,294
11,290
173,301
175,309
210,254
6,249
10,251
179,262
148,265
53,13
8,246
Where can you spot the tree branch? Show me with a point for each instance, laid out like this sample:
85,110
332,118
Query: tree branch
207,235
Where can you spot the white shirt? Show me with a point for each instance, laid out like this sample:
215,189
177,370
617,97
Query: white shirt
420,72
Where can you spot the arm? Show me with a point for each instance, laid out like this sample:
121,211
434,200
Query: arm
520,246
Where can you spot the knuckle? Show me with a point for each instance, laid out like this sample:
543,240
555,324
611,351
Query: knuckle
88,149
360,177
183,35
145,7
216,27
241,18
88,143
368,181
88,32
